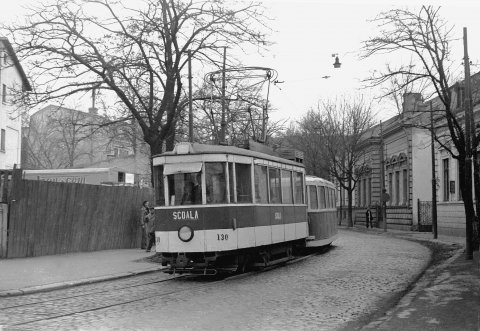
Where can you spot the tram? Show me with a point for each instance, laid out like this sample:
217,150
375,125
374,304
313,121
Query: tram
224,208
322,212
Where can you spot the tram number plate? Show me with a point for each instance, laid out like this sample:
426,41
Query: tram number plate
222,236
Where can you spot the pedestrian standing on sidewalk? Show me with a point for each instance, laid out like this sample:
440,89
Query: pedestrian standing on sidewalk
150,229
144,213
369,218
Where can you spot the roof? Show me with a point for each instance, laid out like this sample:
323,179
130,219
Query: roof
11,52
310,180
196,148
71,171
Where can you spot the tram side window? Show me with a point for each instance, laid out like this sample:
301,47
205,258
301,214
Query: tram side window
244,182
215,177
287,194
185,189
275,188
313,199
261,187
298,187
159,187
323,202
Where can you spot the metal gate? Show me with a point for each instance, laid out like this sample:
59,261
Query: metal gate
424,216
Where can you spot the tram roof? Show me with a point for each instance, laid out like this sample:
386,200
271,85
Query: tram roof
318,181
196,148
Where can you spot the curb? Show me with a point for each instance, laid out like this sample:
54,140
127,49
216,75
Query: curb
67,284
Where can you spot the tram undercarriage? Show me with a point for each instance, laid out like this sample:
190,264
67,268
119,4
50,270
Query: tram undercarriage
237,261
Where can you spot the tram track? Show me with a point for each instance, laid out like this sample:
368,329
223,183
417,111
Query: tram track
23,315
88,293
91,302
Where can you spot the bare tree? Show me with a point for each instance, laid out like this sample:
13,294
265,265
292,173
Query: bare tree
342,126
304,136
426,37
138,54
331,137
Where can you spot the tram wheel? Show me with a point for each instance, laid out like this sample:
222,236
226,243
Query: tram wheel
244,263
289,252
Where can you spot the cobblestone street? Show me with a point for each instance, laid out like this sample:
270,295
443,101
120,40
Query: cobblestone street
356,278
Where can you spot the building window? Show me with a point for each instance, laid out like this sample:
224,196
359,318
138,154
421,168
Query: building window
446,181
405,187
365,193
2,141
4,93
397,187
359,192
390,187
5,58
369,194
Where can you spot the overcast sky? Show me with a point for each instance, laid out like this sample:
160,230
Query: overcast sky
308,32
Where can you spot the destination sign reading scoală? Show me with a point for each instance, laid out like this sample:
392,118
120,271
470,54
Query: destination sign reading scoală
185,215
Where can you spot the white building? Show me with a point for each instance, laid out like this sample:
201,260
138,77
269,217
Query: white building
12,77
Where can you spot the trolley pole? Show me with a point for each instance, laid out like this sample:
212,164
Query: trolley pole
190,108
223,123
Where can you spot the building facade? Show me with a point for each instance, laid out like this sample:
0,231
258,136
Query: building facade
12,80
399,155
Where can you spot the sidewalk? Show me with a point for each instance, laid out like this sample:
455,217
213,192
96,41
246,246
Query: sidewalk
446,297
37,274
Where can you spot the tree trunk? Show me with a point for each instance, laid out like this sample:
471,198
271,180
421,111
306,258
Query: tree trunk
465,171
350,212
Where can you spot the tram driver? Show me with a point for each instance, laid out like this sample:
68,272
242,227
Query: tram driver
190,191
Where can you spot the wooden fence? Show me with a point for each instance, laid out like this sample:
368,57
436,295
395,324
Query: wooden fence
5,184
48,218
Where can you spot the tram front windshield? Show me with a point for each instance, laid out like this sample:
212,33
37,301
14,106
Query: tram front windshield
185,188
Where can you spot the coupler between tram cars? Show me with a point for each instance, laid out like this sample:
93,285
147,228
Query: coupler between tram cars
231,262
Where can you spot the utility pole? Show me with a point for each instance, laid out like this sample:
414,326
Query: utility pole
434,182
468,146
223,123
190,108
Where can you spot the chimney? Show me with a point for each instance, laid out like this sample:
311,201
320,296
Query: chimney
411,101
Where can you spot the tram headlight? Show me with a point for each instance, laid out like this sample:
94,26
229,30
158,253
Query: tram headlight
185,233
